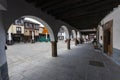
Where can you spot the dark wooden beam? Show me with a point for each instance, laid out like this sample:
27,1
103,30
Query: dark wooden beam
30,1
78,7
69,8
39,3
90,16
63,4
83,14
52,4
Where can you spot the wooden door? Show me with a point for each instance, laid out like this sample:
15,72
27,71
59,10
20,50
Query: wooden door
105,42
108,38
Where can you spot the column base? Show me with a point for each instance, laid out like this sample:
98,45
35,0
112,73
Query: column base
32,41
4,72
9,42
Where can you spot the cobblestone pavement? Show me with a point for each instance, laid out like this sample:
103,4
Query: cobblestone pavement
82,62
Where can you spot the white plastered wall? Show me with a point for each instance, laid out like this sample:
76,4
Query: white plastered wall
100,34
115,16
78,34
74,34
12,29
66,32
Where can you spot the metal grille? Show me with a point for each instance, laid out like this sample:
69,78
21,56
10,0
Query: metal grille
96,63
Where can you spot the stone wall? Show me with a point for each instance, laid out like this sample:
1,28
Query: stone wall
115,16
4,72
3,60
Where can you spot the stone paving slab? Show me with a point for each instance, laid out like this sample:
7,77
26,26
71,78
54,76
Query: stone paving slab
34,62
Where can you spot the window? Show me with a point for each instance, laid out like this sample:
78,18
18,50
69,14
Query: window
26,25
36,26
101,37
18,30
30,25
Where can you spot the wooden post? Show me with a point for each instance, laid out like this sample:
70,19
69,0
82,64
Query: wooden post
54,48
68,44
76,42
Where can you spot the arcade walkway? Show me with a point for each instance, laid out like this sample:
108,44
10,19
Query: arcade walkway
80,63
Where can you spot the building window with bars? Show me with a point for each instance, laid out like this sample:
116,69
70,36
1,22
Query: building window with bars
18,30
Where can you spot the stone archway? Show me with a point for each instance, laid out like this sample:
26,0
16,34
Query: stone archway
64,35
66,31
3,61
67,36
74,36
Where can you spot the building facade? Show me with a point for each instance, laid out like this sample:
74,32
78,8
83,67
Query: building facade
23,31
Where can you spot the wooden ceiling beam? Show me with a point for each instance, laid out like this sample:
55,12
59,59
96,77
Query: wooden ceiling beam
83,14
51,3
87,8
63,4
70,7
39,3
78,13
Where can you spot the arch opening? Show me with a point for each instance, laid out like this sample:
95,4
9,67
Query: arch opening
73,37
63,37
52,38
25,53
41,27
63,33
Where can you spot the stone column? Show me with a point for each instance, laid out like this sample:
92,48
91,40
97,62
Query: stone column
46,35
3,60
9,41
54,48
76,42
68,44
33,37
4,72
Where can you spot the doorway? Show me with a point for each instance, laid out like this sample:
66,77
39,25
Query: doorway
108,38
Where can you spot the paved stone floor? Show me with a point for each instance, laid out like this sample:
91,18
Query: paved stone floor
34,62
